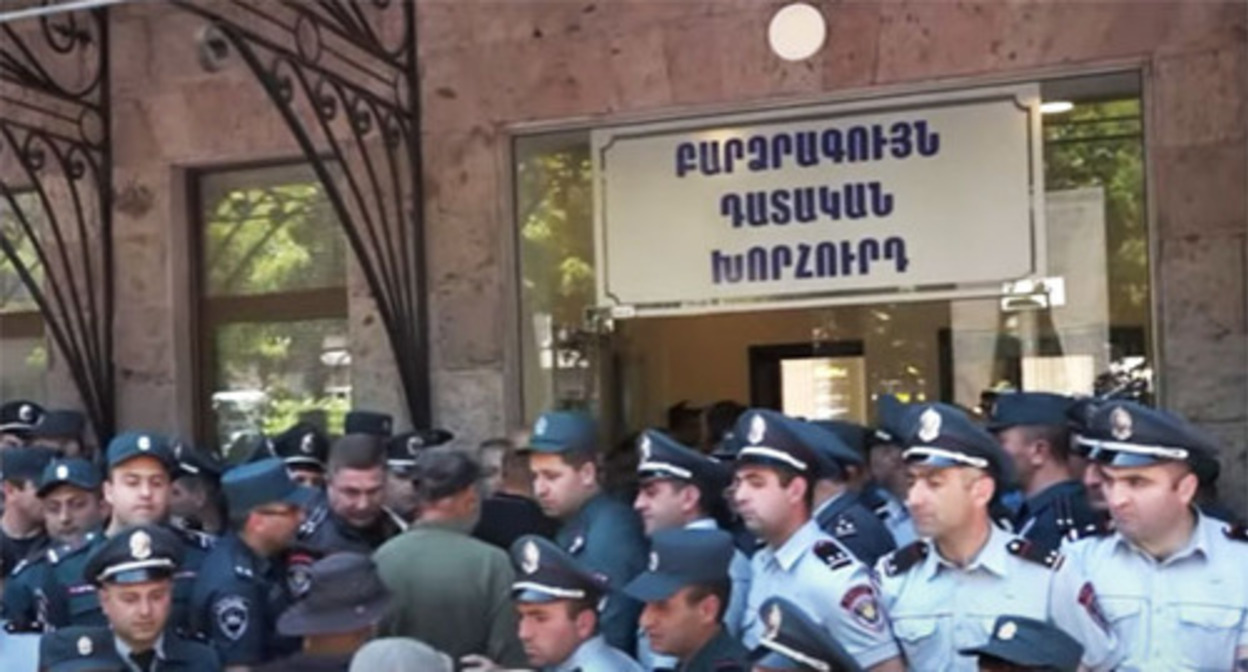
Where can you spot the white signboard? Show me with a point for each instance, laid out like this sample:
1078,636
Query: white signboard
879,200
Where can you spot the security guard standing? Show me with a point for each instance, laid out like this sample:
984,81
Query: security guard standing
305,450
133,573
601,532
838,511
140,467
791,640
773,483
556,598
1033,430
1020,644
943,591
1172,579
242,586
685,589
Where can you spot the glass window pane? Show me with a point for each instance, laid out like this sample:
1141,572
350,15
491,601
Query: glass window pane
14,297
268,231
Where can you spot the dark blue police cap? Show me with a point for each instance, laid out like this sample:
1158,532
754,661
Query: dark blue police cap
401,450
661,456
891,419
941,435
135,555
1043,409
60,423
73,471
682,557
564,432
546,573
255,484
832,451
769,439
79,648
792,640
369,422
192,461
19,417
130,445
1030,643
1127,434
25,463
302,445
852,434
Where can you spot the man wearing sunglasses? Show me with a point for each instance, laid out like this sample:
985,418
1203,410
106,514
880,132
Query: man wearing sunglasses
1171,579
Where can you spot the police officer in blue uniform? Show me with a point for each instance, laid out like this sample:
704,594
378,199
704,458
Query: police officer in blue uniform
685,588
133,572
305,450
140,467
1033,430
1020,644
195,501
350,515
944,591
21,526
604,534
242,587
79,649
773,491
401,453
884,450
792,640
1171,579
838,510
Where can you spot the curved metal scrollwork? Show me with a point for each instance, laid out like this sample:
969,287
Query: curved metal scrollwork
343,75
56,183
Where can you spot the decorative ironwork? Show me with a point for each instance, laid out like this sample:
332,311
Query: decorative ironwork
56,181
343,75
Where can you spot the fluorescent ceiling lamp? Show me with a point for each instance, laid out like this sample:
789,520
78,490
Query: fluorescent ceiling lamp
1056,107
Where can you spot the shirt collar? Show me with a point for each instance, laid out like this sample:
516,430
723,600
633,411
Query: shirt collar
991,557
1197,545
702,524
797,544
583,654
124,650
831,501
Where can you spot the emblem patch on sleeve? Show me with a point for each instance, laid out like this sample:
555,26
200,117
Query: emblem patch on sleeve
233,615
860,601
1087,598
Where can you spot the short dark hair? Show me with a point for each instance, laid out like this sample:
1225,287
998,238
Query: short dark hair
786,476
589,603
357,451
442,472
721,589
1058,439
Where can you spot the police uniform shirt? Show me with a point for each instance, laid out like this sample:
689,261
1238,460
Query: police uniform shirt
606,535
236,604
595,655
1187,612
819,575
937,608
174,653
1054,513
892,512
722,654
13,550
327,533
26,591
858,529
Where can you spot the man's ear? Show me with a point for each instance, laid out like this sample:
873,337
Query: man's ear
587,473
982,489
796,489
708,609
1187,487
586,621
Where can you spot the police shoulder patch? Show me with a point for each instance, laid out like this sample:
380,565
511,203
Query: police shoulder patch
905,558
1049,557
832,554
1236,532
232,616
1091,530
195,539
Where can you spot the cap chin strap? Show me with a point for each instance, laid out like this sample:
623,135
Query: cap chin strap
1166,452
951,455
773,454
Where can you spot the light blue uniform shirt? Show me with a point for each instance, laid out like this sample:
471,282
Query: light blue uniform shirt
937,608
1187,612
595,655
839,596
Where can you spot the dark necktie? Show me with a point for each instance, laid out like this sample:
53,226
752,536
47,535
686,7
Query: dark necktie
144,660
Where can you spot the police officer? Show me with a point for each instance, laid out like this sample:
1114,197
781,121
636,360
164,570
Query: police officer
61,430
305,450
838,511
401,453
1021,644
791,640
17,419
133,573
1172,579
195,501
556,598
773,491
944,591
685,589
79,649
888,470
21,526
682,488
242,589
1033,430
605,534
351,514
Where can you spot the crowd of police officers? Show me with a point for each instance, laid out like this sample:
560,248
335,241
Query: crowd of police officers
1042,533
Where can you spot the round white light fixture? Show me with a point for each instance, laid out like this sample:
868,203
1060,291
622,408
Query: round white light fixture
797,32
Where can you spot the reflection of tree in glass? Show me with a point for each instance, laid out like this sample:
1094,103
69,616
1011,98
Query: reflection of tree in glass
557,246
13,293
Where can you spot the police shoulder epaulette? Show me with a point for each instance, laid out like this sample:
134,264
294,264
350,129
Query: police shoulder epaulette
1041,555
1236,532
194,538
244,571
61,553
905,558
313,521
832,554
1090,530
844,527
